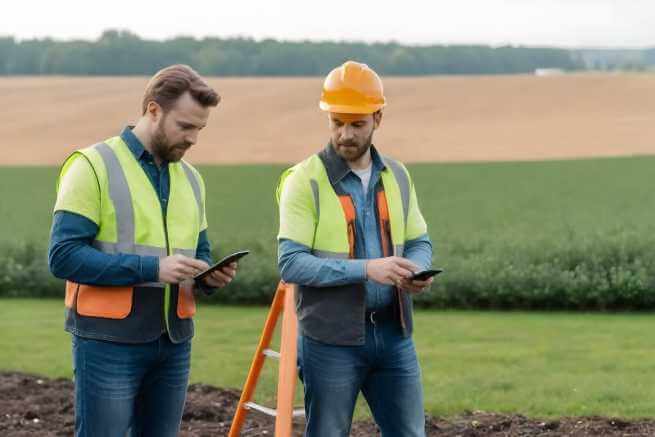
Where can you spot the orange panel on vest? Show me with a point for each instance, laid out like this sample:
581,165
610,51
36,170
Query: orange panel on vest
349,212
186,302
105,302
385,231
71,292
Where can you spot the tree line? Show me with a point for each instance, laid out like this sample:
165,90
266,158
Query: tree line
118,52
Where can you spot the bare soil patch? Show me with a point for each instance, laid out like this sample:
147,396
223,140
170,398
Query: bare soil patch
36,406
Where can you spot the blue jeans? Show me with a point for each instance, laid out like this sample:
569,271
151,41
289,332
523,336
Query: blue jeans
385,369
129,389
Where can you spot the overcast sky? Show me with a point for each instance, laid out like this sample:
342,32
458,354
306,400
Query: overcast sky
564,23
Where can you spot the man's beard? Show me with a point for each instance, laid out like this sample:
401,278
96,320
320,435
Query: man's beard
162,148
354,151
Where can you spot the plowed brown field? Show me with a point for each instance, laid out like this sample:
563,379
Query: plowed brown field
266,120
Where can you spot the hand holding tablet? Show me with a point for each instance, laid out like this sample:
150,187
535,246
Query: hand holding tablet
226,261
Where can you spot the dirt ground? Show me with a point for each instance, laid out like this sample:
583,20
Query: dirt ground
277,120
36,406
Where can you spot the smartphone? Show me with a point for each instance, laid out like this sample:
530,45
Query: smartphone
222,263
425,275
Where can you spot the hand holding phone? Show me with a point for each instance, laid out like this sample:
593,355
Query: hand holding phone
424,275
419,281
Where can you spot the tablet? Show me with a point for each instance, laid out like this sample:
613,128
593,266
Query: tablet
222,263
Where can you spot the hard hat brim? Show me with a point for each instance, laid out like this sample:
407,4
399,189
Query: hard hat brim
351,109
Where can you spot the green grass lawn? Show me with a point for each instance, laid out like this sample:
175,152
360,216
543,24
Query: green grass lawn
539,364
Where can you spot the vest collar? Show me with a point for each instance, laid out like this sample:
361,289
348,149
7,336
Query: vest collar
337,168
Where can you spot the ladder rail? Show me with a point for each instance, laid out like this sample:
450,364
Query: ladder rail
258,360
288,371
283,303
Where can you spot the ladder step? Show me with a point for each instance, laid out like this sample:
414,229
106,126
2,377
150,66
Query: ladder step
299,412
260,408
271,353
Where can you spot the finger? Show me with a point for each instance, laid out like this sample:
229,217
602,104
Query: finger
212,277
220,276
203,264
229,272
410,287
212,282
406,264
402,272
195,263
415,283
185,271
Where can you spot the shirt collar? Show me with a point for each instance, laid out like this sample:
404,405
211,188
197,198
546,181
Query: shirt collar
337,168
133,143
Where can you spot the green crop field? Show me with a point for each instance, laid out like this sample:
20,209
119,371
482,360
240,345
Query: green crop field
465,204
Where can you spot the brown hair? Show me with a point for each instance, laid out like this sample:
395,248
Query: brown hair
168,84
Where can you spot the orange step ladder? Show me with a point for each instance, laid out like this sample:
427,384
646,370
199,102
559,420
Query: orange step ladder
283,303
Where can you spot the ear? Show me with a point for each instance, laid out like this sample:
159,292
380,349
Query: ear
153,111
377,118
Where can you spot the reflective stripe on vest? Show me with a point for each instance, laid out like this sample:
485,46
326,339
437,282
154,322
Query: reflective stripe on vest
119,192
403,183
195,186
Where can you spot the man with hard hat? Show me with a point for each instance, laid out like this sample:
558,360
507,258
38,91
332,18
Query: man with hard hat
351,235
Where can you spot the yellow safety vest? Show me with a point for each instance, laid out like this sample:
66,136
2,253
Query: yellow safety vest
131,221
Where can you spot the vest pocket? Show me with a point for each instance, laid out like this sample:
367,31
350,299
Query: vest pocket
186,303
105,302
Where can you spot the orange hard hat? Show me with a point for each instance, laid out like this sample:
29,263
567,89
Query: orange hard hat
352,88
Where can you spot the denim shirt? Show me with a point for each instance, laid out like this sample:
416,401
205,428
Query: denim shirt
72,257
299,266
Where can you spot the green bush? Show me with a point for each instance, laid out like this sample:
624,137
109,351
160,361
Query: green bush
24,273
606,272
